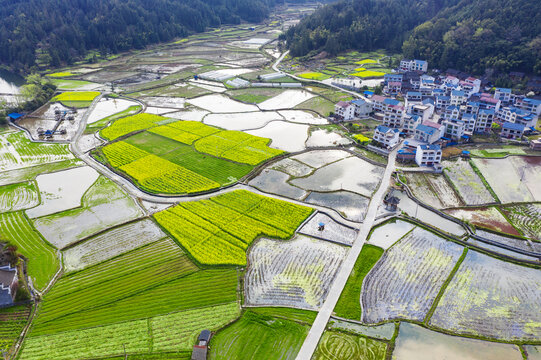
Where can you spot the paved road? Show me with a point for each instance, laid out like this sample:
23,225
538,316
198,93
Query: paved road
311,341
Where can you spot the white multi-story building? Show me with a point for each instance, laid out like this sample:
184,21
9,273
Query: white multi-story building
429,132
362,107
512,130
531,105
470,86
425,111
516,115
469,122
503,94
485,117
386,136
414,65
428,155
454,128
450,112
393,116
410,122
345,110
458,97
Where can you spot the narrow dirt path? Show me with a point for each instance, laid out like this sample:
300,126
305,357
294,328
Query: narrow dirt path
311,341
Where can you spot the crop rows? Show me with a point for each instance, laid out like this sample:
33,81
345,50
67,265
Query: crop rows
199,289
175,134
469,184
335,345
172,332
527,218
119,278
258,336
406,280
111,243
130,124
121,153
491,298
237,146
18,197
219,230
163,176
42,260
13,320
296,273
21,152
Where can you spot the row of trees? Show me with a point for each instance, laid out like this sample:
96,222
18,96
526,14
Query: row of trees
469,35
55,32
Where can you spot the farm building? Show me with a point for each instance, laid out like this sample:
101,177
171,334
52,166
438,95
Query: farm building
8,285
200,350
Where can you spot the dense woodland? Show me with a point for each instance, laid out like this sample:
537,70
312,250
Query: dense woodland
55,32
469,35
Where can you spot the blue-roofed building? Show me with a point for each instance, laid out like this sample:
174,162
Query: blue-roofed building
512,130
15,116
413,65
442,101
388,78
485,117
428,132
363,108
386,136
428,155
531,105
503,94
451,112
414,96
471,107
458,97
391,102
517,115
469,122
454,128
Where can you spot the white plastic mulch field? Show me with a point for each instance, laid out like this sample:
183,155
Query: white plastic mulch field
416,268
492,298
295,273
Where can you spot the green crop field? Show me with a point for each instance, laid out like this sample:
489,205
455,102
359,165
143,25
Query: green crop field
349,303
154,336
163,160
129,124
18,196
42,260
335,345
219,230
258,336
314,76
13,320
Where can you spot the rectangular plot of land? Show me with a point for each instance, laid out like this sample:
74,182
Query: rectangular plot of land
295,273
467,182
492,298
406,280
331,230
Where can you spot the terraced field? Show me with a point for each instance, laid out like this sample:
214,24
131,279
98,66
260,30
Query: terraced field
296,273
18,197
111,243
219,230
159,335
488,218
13,321
335,345
433,190
259,336
16,152
416,268
527,218
493,299
42,260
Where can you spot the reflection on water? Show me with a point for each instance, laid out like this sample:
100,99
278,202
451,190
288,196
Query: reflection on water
10,82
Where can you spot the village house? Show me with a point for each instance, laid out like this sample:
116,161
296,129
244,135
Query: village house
410,122
458,97
386,136
9,283
442,101
503,94
428,155
471,107
454,128
362,108
488,102
414,96
512,131
393,116
377,103
413,65
485,117
450,112
530,105
470,86
345,110
425,111
429,132
469,122
517,115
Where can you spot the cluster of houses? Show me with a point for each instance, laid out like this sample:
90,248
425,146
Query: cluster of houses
437,111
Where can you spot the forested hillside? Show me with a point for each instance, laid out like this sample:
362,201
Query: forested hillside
469,35
54,32
361,24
